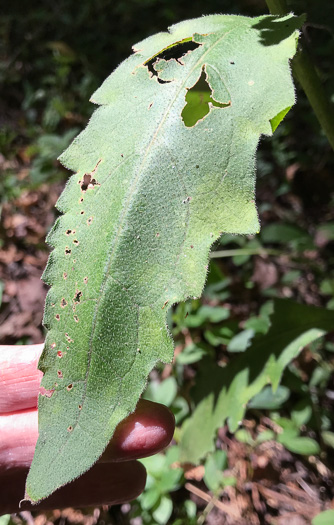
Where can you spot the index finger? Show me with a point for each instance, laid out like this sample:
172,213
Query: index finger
19,377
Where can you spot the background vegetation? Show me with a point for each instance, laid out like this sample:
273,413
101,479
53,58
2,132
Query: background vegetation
274,463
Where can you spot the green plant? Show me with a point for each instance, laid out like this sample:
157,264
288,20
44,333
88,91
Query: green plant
179,88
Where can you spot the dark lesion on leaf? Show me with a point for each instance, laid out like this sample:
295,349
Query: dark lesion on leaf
174,52
89,181
77,297
67,250
63,303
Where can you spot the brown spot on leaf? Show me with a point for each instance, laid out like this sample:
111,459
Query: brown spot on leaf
76,318
65,275
77,296
76,242
89,221
79,407
59,374
57,317
63,303
68,338
85,280
68,232
69,387
60,353
67,251
70,428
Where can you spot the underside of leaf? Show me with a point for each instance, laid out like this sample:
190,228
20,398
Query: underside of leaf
152,191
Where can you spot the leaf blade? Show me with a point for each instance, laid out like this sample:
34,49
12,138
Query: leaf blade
137,212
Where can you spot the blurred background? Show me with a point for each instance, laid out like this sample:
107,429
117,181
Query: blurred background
53,56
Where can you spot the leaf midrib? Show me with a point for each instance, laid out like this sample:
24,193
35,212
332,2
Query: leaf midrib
124,213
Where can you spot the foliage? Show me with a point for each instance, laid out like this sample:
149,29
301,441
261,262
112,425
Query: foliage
49,67
105,304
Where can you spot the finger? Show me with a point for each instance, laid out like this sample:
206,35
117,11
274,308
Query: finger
102,484
19,377
147,431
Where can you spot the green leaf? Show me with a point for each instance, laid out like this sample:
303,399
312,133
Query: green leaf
328,438
149,498
324,518
269,400
164,510
241,341
214,466
162,392
229,390
300,445
148,198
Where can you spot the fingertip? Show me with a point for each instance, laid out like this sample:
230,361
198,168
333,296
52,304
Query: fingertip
147,431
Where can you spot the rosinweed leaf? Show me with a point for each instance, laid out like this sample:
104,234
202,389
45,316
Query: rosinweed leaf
151,192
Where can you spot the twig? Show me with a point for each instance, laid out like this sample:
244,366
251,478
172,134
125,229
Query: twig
206,497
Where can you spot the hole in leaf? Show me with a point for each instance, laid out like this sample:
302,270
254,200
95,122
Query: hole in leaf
69,387
68,232
175,51
88,182
67,251
76,318
45,392
77,297
63,303
57,317
199,102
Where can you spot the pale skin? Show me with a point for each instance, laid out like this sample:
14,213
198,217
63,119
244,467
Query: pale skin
116,477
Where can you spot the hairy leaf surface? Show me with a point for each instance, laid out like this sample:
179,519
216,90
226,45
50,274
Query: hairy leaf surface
153,188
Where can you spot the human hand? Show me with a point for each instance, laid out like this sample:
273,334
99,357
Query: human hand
145,432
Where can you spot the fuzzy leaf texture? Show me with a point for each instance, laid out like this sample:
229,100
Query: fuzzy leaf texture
165,165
